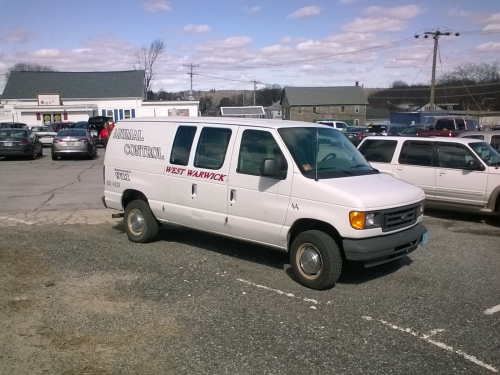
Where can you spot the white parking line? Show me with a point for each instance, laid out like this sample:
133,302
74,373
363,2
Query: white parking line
20,221
492,310
278,291
436,343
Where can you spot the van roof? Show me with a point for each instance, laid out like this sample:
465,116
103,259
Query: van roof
264,123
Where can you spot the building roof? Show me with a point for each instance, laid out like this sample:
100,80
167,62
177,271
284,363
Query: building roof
242,111
339,95
75,85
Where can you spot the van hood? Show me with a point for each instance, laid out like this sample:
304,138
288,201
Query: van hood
366,192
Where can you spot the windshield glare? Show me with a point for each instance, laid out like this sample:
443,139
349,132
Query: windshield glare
324,153
487,153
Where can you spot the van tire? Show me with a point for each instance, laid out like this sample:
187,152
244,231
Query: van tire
316,260
140,224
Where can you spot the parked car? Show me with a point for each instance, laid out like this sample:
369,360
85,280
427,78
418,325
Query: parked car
45,134
385,129
94,125
340,125
73,142
12,125
412,130
56,126
454,171
449,126
19,142
496,127
491,137
355,134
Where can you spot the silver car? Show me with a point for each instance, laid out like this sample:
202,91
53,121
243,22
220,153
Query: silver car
73,142
45,134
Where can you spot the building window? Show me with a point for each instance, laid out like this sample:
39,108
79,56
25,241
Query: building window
328,110
299,110
315,110
342,109
356,122
109,113
127,113
356,109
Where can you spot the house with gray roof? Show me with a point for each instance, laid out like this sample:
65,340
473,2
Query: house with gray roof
37,98
311,104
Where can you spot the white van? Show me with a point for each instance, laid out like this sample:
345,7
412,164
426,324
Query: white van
295,186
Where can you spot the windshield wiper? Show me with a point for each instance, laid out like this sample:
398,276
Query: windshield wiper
337,168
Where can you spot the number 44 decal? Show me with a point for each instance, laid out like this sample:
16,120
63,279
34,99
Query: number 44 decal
295,206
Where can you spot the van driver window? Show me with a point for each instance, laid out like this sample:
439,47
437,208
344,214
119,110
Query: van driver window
212,148
256,146
182,145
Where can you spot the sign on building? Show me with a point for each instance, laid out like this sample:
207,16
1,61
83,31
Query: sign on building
49,99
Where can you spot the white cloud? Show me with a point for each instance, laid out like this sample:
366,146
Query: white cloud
154,6
196,29
402,13
489,47
15,36
306,12
252,10
369,25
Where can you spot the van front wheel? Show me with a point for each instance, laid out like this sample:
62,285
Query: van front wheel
140,224
315,259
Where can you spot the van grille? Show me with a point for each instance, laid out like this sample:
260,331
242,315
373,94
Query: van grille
400,217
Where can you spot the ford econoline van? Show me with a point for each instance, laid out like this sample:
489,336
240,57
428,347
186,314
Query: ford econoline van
294,186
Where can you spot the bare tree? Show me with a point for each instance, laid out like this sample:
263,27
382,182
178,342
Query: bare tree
146,57
25,67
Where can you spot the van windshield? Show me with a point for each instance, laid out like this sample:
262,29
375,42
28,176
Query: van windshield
324,153
487,153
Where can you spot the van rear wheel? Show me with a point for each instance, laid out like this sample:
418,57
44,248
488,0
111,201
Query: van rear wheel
315,259
140,224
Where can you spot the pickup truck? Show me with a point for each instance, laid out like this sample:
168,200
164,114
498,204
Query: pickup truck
449,127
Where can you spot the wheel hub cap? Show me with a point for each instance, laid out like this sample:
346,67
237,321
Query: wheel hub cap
310,260
136,222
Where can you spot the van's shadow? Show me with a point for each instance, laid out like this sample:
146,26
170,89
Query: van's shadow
352,273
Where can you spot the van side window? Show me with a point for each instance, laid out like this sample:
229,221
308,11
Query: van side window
212,148
256,146
416,153
453,155
495,142
182,145
378,150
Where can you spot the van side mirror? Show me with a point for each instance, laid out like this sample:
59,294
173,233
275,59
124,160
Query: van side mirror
269,168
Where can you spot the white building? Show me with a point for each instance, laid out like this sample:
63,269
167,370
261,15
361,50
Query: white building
37,98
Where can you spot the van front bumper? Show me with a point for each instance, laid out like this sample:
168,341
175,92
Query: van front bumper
378,250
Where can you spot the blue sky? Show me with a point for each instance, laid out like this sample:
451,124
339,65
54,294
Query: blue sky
234,42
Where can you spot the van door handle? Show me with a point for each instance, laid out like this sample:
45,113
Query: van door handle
232,195
399,168
442,172
193,190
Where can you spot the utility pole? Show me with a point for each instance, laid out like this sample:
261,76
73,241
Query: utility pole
191,66
254,89
435,34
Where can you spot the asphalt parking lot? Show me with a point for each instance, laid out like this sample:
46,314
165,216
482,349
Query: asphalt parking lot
78,298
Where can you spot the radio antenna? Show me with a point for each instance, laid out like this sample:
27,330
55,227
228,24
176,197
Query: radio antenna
317,151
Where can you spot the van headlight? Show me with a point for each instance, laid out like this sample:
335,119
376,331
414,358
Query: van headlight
364,220
421,209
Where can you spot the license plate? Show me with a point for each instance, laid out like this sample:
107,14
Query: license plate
425,238
7,143
70,143
350,136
